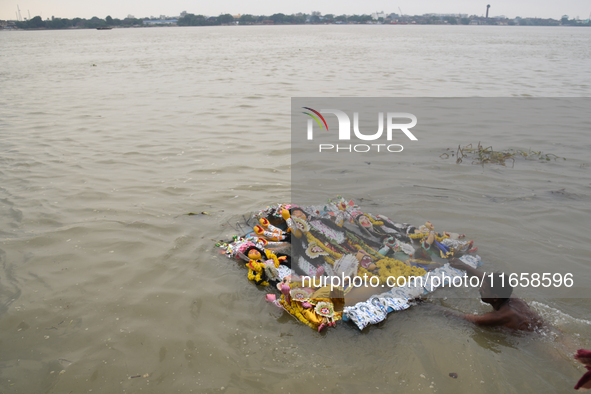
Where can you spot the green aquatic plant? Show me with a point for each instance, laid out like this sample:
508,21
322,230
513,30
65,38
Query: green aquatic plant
481,155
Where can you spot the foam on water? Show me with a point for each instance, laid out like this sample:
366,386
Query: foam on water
557,317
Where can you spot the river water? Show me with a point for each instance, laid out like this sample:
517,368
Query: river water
108,138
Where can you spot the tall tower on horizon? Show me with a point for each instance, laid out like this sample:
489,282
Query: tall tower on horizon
487,7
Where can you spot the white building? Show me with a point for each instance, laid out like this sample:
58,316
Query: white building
377,15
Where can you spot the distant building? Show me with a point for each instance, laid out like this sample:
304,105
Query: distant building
7,25
377,15
446,15
161,22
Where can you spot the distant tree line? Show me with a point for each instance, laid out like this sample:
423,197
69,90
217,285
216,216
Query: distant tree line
428,19
64,23
277,19
293,19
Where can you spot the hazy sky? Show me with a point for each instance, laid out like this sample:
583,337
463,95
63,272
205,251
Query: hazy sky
121,8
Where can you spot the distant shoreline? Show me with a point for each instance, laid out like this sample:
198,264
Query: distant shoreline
315,19
284,24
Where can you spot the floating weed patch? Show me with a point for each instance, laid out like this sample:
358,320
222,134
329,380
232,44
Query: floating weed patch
481,155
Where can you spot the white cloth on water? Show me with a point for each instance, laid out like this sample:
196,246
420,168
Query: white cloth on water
377,307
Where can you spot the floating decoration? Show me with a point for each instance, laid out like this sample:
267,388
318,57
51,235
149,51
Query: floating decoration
299,294
380,264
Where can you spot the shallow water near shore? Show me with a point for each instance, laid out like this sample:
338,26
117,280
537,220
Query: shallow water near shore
108,138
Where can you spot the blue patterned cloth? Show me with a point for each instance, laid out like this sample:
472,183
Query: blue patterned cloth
377,307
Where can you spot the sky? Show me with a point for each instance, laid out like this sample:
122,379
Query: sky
146,8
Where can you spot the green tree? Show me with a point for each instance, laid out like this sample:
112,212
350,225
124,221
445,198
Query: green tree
564,20
109,20
277,18
57,23
465,21
95,22
36,23
299,19
129,22
225,18
246,19
192,20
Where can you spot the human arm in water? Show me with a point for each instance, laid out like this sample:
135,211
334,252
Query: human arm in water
491,319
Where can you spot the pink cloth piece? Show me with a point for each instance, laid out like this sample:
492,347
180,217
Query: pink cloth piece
271,297
584,357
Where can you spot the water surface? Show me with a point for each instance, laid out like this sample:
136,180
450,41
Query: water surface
108,138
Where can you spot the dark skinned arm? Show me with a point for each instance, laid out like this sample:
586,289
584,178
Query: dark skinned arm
491,319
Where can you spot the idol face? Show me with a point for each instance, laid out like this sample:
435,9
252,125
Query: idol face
364,221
